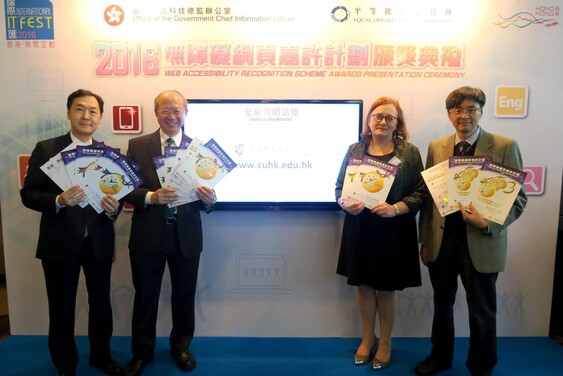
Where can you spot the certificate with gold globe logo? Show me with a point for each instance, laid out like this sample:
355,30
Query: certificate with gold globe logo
101,170
208,165
491,187
494,193
463,174
191,166
368,179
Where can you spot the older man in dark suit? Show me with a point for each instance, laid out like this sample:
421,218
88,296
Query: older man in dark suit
70,238
161,236
465,244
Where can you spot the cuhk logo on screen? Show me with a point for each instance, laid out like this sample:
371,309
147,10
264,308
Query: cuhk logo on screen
511,101
127,118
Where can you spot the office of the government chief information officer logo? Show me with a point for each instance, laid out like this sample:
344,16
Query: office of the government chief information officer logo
114,15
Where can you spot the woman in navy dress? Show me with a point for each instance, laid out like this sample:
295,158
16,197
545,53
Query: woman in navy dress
379,247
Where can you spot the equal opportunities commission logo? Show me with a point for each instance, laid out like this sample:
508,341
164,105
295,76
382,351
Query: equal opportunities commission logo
340,14
396,13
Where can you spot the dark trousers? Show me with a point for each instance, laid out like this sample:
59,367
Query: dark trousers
147,273
61,280
452,261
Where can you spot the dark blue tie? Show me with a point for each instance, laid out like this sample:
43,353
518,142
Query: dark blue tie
461,148
169,142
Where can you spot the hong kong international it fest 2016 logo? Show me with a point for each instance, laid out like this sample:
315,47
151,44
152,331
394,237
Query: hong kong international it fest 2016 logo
114,15
543,15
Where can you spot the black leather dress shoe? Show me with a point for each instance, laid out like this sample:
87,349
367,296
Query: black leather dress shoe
135,367
430,366
109,367
185,360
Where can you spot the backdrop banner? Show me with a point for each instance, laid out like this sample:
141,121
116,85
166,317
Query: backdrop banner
272,273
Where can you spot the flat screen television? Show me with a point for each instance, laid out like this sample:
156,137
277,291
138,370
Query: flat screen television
288,152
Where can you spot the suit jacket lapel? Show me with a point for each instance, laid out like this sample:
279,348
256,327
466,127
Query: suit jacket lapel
446,149
60,143
155,148
484,143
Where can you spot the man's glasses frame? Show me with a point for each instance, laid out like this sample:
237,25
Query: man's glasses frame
471,111
167,113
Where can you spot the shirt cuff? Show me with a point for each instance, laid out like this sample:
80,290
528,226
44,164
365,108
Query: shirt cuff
148,198
487,230
57,205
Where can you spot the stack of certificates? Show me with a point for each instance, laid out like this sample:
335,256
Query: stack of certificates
98,169
190,165
369,179
490,186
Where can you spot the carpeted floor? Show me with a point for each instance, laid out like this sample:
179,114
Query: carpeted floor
28,355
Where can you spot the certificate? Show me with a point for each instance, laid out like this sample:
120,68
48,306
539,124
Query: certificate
496,191
207,166
178,176
199,164
98,169
69,159
436,179
55,169
463,174
103,170
351,185
371,182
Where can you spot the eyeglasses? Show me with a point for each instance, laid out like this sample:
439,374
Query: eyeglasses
82,111
170,112
388,118
471,111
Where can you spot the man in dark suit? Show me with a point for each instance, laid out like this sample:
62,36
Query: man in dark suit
161,236
465,244
70,238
